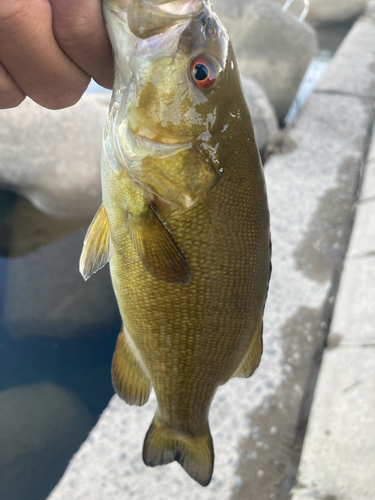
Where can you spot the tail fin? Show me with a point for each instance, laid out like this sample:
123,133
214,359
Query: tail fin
196,455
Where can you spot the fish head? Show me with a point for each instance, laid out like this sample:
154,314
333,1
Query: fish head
174,91
181,79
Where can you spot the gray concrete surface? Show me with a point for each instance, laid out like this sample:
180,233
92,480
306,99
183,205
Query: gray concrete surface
338,455
256,424
52,157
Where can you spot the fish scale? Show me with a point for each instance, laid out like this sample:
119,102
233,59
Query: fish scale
186,228
144,300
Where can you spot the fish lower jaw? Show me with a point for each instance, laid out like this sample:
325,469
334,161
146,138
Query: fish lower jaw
154,136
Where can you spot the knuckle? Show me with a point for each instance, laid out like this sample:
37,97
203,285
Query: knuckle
77,28
10,94
17,10
66,99
11,100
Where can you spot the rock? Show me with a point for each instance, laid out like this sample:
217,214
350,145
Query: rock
262,113
41,426
335,11
232,9
53,157
275,51
44,293
370,9
320,11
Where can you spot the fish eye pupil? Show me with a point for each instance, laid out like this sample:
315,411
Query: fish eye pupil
200,72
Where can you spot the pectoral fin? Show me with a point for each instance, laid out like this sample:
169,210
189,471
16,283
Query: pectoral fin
96,247
252,359
157,248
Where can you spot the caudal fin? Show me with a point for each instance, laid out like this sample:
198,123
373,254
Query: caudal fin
196,455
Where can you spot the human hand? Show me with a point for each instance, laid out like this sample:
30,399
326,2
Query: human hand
50,49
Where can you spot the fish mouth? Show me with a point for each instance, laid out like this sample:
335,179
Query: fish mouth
132,147
115,5
154,136
181,7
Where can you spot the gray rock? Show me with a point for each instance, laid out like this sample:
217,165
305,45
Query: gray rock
320,11
53,157
275,51
41,426
232,9
334,11
262,113
370,9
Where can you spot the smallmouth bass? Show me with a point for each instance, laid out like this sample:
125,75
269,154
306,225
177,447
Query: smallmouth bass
184,222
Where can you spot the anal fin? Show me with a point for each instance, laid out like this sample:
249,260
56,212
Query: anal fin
129,380
157,248
96,247
252,358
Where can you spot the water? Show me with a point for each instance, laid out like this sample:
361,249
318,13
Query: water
57,338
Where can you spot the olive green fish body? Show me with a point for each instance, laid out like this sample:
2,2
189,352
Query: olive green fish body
186,229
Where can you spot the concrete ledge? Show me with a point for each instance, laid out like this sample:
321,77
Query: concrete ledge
352,69
338,456
339,450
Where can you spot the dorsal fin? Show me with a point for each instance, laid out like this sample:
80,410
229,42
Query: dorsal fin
96,247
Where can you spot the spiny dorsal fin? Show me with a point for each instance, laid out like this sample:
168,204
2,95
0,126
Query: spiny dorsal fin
96,247
157,248
196,455
129,380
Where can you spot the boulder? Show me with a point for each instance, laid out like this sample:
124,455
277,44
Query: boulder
320,11
333,11
53,157
262,113
275,50
232,9
41,426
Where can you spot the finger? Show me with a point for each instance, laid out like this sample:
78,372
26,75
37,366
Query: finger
10,94
33,58
79,29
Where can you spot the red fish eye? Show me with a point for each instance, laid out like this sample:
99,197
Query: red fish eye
203,72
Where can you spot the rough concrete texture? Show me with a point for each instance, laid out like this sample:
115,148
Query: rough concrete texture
53,157
275,51
338,454
41,425
256,423
359,82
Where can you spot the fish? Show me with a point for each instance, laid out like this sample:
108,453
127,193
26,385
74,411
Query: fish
184,222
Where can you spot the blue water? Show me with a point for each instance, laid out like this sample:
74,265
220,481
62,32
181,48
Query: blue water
56,329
